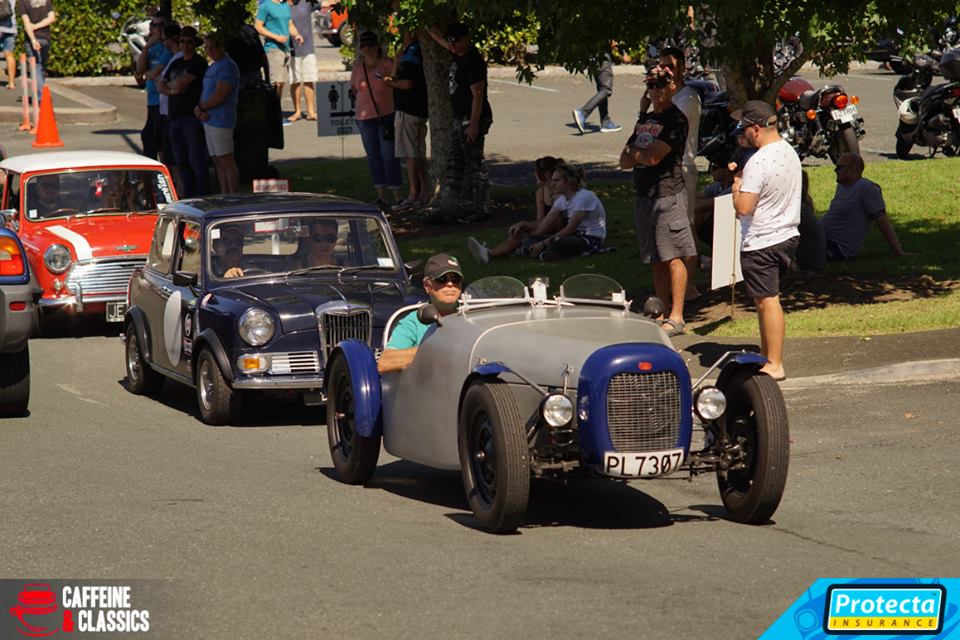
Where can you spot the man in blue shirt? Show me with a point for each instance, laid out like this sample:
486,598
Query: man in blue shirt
273,22
443,281
217,110
150,64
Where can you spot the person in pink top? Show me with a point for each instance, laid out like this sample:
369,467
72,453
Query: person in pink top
374,115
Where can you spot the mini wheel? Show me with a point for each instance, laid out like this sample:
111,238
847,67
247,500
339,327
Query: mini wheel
14,383
141,378
219,404
354,456
494,457
756,422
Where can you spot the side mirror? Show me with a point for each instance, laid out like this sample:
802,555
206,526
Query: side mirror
428,314
8,218
653,307
184,279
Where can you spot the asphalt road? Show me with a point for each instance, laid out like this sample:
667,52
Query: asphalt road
253,538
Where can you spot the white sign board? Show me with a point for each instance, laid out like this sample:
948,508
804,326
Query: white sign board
726,244
336,106
271,185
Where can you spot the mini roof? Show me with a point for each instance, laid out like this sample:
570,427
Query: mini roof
226,206
52,161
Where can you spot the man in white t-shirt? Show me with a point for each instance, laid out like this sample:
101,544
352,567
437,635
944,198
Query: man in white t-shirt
766,197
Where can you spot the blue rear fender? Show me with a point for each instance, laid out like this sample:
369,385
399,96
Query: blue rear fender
595,376
365,382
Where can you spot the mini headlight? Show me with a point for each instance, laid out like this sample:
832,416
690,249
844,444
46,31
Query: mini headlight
557,410
256,327
57,258
710,403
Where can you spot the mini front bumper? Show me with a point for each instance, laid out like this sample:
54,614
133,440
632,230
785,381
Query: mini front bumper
268,382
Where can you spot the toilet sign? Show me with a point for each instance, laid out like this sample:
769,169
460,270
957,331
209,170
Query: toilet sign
336,107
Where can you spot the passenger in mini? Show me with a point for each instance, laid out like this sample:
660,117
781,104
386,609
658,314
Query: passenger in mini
443,281
316,250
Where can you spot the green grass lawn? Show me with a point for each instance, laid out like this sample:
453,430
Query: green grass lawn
880,294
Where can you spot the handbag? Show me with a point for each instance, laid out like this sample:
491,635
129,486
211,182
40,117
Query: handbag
387,131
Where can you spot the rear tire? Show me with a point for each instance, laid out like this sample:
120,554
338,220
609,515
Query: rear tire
756,419
219,404
494,457
903,145
14,383
354,456
141,379
845,142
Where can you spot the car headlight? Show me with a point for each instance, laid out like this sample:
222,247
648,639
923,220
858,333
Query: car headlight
57,258
710,403
256,327
557,410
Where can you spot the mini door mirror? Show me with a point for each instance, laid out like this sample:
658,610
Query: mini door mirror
428,314
8,218
184,279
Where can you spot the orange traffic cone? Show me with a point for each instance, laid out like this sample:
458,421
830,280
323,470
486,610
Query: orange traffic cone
47,135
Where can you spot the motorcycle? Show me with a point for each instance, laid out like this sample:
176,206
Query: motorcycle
819,122
717,138
135,31
929,115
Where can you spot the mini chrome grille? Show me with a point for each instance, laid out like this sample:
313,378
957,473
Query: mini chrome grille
643,411
102,276
292,363
343,322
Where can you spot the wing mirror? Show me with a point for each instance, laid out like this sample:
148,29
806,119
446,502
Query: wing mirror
428,314
8,217
184,279
653,307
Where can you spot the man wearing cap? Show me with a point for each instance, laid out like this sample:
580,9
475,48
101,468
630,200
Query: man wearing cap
766,196
655,153
443,282
472,117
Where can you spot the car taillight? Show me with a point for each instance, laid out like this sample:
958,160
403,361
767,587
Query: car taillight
11,259
840,101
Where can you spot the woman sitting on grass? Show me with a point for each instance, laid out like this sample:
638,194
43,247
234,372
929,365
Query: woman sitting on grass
543,168
576,224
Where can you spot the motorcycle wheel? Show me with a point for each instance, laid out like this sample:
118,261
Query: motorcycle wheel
903,146
845,142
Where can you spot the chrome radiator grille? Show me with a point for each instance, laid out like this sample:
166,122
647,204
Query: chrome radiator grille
643,411
102,277
344,323
293,363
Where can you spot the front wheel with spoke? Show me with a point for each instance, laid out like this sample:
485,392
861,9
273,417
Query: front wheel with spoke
494,457
755,428
219,404
354,455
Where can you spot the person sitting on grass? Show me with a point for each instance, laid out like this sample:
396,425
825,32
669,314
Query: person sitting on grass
576,224
543,169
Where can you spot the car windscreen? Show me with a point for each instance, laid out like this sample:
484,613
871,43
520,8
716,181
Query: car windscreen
302,245
96,192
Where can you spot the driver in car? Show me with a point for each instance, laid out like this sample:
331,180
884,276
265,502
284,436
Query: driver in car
443,281
228,252
48,195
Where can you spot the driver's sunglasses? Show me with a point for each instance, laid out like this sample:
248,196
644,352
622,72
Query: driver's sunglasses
188,41
323,237
448,278
229,242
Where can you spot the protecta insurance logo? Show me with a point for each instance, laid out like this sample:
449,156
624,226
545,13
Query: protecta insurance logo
45,609
883,609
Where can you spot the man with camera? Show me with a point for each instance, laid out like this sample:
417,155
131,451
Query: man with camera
655,153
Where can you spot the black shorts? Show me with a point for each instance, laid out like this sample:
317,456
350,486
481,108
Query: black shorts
567,246
763,268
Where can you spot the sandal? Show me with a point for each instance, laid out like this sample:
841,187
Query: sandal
676,328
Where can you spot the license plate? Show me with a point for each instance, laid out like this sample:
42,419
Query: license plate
956,113
642,465
116,311
845,115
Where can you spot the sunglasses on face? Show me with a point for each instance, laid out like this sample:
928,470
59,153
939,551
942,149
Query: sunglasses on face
229,243
323,237
188,41
448,278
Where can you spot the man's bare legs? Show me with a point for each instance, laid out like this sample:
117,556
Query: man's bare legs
670,285
773,328
11,69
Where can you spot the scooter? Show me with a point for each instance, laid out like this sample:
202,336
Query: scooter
819,122
929,115
134,32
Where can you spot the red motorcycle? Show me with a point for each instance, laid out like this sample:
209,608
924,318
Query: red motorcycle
819,122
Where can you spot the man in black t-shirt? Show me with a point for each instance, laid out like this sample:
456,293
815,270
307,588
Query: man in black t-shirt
37,16
472,117
655,153
183,82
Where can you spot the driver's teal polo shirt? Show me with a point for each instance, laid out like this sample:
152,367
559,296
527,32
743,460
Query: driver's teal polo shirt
407,333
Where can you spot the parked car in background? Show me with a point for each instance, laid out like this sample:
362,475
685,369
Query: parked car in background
253,292
333,25
18,321
85,219
518,385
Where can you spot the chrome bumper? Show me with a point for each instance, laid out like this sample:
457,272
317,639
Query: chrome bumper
279,382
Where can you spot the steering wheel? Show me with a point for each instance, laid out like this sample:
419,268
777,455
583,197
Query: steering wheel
64,211
253,271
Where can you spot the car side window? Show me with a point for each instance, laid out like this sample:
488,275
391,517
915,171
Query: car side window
162,246
189,248
11,191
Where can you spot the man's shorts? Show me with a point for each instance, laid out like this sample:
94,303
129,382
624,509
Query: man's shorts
411,133
219,140
663,229
566,246
8,41
302,69
279,64
763,268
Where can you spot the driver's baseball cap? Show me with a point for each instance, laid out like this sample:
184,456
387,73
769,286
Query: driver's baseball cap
755,112
440,264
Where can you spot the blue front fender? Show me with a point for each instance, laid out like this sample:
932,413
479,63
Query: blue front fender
365,380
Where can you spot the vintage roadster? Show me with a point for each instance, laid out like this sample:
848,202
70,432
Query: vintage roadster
517,384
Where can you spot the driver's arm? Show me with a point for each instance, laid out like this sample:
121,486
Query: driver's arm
395,359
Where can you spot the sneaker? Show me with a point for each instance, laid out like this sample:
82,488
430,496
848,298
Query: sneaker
550,255
478,251
609,126
579,119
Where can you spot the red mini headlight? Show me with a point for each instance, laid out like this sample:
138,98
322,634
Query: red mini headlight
11,259
840,102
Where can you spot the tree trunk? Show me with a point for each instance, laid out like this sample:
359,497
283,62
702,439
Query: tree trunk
436,70
753,80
